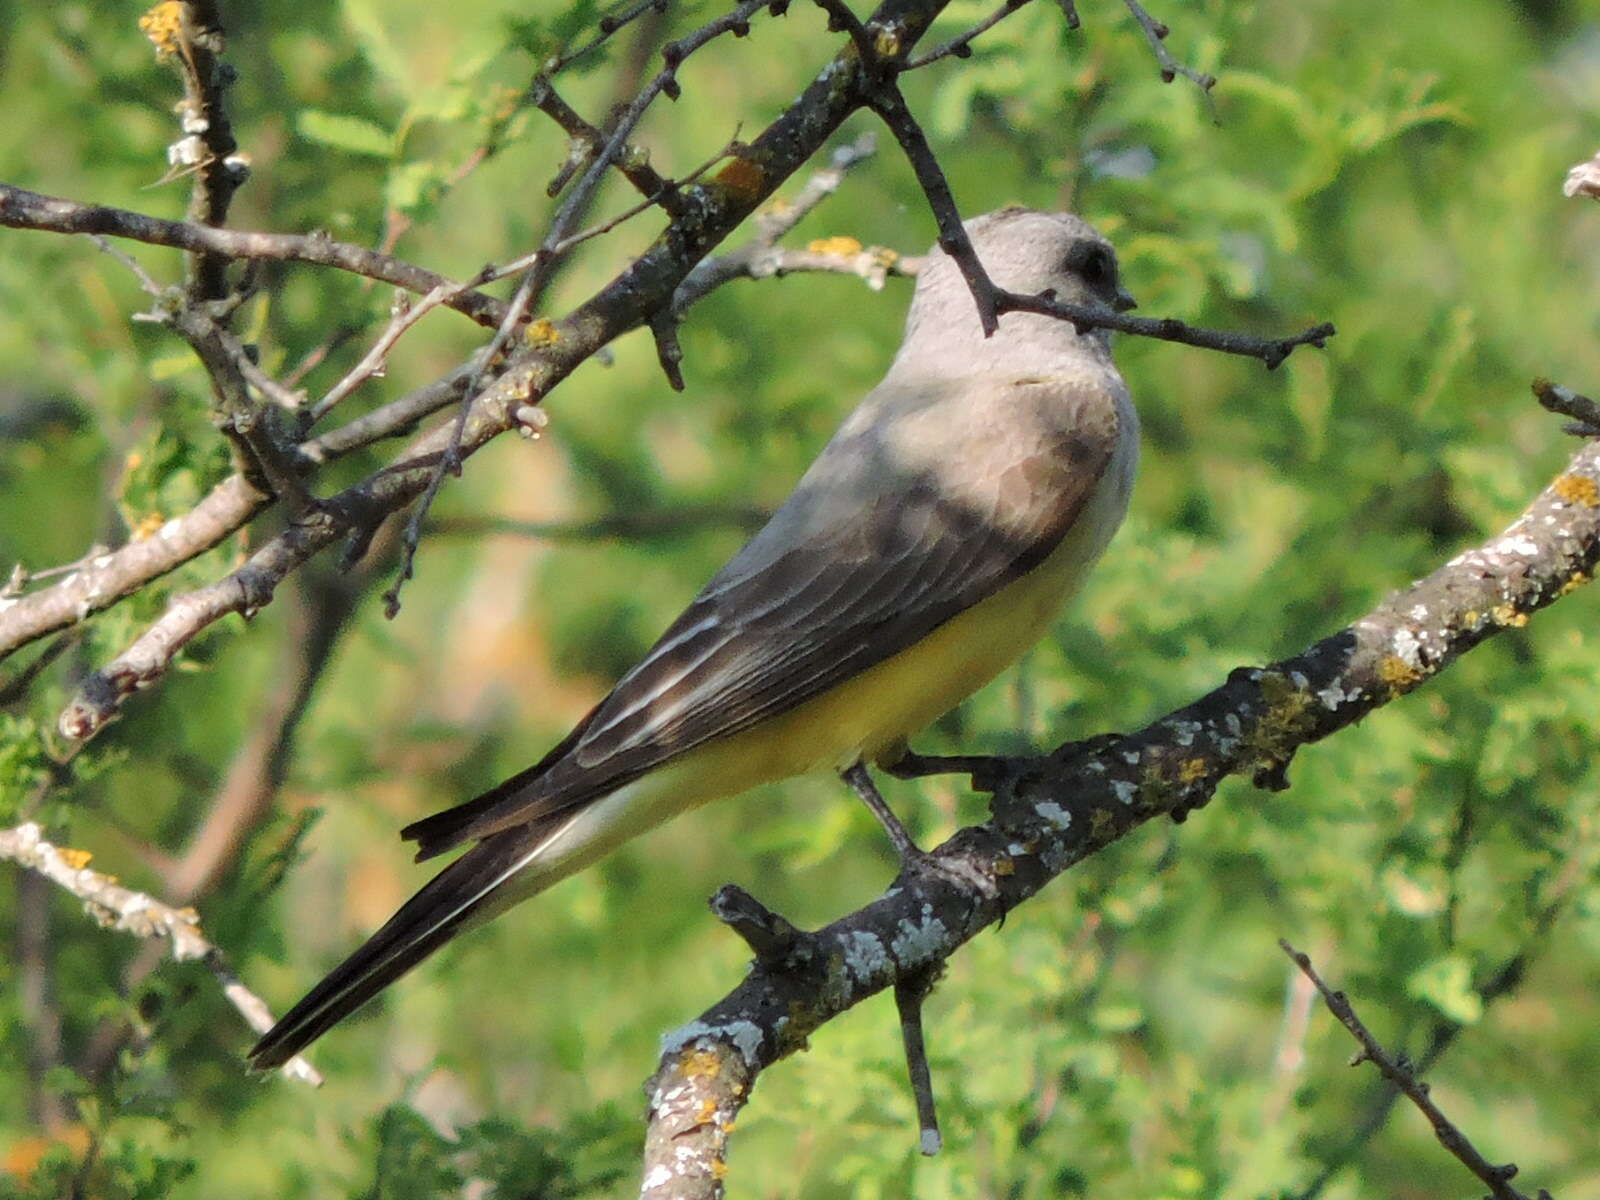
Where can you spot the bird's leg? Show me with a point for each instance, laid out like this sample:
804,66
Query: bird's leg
861,783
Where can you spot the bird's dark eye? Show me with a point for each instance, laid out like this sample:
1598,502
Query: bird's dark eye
1092,263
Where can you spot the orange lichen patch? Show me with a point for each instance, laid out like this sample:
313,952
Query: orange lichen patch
1396,672
163,25
1577,489
1576,582
707,1110
1005,866
702,1064
844,247
885,257
146,527
542,332
1505,614
76,859
742,178
1191,770
719,1169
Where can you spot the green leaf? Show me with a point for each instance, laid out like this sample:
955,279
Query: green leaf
355,134
1446,983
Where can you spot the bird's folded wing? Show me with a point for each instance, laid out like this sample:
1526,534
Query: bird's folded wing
877,548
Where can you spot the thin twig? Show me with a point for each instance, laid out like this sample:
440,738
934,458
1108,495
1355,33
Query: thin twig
449,461
890,105
961,46
1270,351
908,997
194,43
1568,403
609,25
120,908
842,20
1155,33
372,362
586,142
22,209
1496,1178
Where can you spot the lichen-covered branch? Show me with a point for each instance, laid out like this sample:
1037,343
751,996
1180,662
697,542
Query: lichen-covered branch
1060,809
127,911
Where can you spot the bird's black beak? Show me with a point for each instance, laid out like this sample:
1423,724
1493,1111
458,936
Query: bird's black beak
1124,301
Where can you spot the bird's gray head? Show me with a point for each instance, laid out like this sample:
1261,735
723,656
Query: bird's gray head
1024,251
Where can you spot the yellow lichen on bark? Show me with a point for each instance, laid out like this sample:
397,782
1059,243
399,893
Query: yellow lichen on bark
163,25
844,247
1577,489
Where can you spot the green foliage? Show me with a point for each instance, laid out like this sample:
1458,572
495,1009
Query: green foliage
1135,1031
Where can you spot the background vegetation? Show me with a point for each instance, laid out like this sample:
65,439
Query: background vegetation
1135,1032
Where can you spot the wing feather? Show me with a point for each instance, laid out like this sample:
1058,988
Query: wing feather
903,522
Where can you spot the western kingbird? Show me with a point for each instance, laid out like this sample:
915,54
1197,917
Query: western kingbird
931,543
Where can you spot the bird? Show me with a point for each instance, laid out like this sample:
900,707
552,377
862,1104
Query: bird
933,540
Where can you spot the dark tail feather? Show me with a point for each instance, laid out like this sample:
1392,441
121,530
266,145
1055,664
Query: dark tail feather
424,923
448,829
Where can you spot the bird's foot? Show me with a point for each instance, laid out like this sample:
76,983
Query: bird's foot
914,860
989,772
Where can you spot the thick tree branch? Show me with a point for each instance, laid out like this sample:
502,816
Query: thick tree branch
1060,809
117,907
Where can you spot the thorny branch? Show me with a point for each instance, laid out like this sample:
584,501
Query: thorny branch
1057,810
119,908
1496,1178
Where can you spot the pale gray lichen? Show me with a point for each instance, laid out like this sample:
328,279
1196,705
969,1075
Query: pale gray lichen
864,956
1053,814
918,941
745,1037
660,1175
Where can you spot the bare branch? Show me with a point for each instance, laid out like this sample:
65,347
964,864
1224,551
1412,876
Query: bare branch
890,105
908,997
107,577
22,209
961,47
190,36
1270,351
608,25
1496,1178
1557,399
1155,33
117,907
586,142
